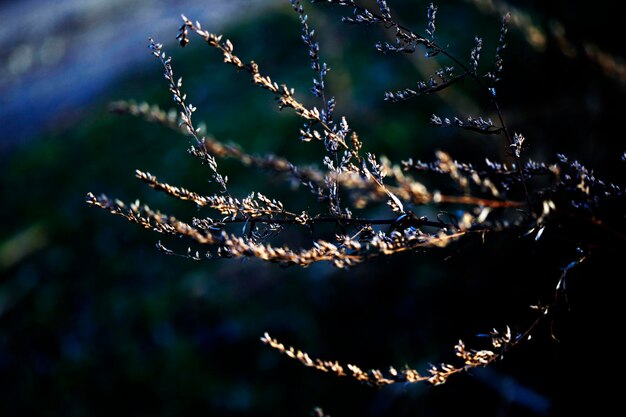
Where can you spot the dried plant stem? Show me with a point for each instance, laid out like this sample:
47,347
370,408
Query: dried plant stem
279,165
477,201
501,343
186,114
346,254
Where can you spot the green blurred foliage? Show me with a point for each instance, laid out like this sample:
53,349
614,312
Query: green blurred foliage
94,321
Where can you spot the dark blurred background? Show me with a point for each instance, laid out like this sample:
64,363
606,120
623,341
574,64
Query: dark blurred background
94,320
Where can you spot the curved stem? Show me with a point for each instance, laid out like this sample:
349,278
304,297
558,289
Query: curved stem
415,222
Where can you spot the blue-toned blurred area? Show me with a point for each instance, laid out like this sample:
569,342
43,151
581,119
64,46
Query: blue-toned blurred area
58,56
94,320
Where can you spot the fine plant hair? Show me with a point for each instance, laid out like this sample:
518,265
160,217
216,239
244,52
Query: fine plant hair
496,197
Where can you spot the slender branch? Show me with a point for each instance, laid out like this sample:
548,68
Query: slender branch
436,375
432,45
477,201
404,222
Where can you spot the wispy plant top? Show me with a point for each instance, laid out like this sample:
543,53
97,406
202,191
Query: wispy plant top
371,201
350,181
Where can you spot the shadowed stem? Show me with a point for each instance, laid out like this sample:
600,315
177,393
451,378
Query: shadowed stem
403,220
466,72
